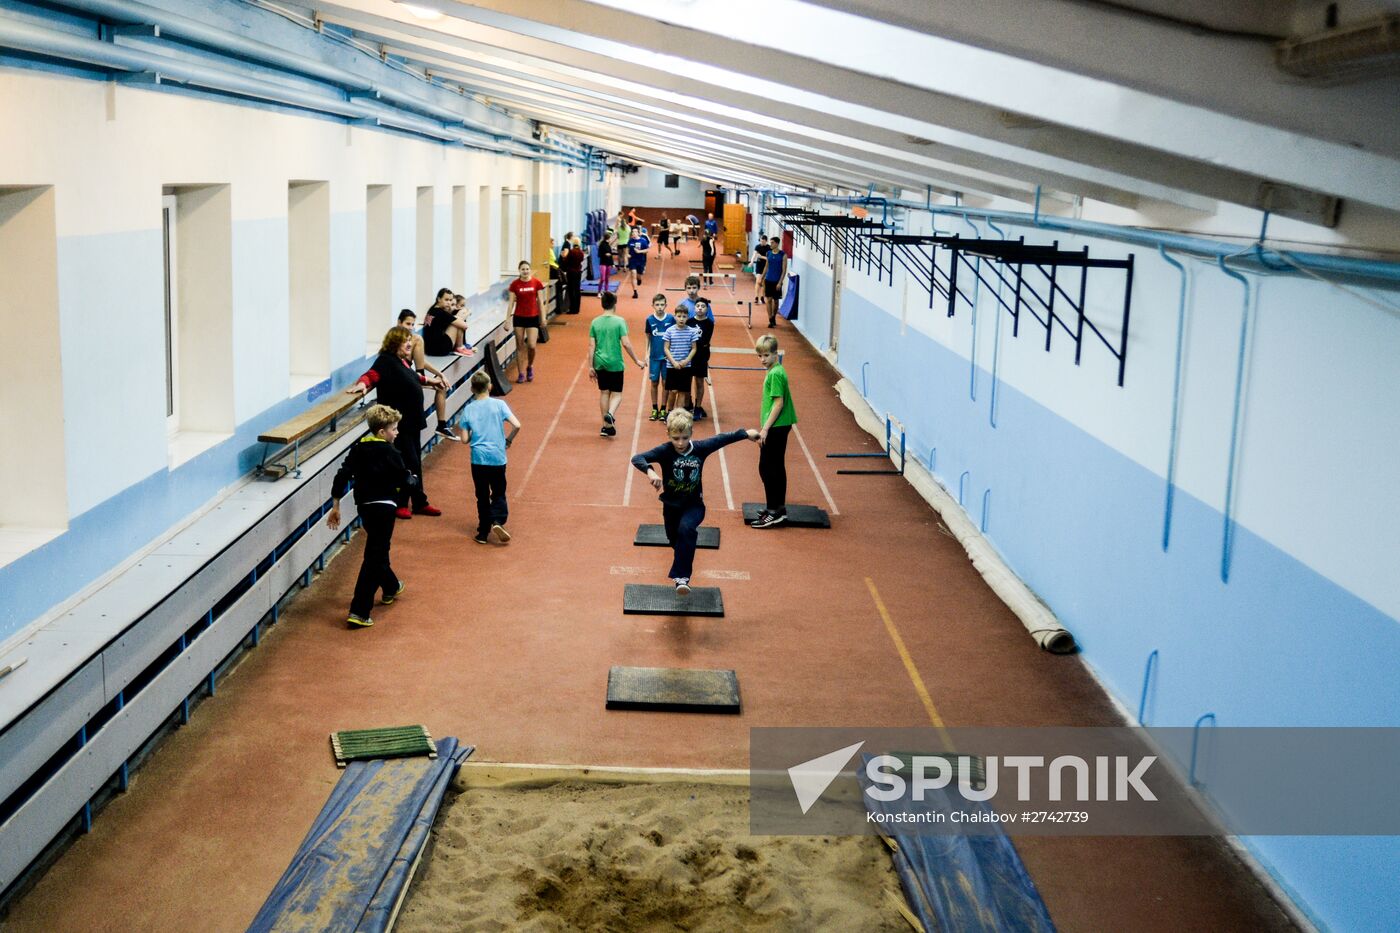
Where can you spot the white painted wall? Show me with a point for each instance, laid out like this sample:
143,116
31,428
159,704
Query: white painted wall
647,188
108,151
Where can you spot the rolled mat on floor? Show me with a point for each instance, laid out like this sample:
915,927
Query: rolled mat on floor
354,866
1034,614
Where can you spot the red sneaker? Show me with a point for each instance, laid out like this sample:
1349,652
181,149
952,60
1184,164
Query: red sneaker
428,510
404,513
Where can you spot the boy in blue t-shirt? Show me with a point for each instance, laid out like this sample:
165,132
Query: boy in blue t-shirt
637,255
481,422
657,323
774,274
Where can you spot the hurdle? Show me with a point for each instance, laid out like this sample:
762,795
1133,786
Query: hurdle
728,281
760,369
890,422
746,317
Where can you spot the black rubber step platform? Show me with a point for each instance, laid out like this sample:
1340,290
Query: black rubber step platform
655,536
651,600
798,516
673,690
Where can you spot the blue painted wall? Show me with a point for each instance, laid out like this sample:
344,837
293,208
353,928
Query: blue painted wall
1081,521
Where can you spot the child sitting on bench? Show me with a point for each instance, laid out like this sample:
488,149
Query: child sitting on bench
380,476
678,465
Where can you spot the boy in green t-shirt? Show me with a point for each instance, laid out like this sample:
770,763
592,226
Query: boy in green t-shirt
607,338
777,418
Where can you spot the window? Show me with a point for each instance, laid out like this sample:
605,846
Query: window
483,238
198,306
309,281
379,264
459,238
172,321
673,181
512,230
424,286
30,359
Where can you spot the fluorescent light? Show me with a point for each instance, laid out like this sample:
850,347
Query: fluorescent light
422,12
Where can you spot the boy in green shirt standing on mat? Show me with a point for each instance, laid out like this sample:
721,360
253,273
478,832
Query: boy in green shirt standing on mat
777,418
607,338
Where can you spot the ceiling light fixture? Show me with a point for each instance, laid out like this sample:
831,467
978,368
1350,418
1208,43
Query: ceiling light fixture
422,12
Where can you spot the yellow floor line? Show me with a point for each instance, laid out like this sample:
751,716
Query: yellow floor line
909,665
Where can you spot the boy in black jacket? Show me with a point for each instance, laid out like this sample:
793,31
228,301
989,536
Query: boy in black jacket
380,477
678,464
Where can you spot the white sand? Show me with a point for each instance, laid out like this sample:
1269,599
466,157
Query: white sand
578,855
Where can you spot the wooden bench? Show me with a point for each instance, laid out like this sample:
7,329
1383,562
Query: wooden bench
296,436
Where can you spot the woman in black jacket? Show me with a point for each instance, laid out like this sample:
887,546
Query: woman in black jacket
400,387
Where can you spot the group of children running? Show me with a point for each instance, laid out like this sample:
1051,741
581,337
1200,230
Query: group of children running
385,465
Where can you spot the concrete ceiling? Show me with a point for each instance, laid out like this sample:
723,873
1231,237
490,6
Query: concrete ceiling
1126,102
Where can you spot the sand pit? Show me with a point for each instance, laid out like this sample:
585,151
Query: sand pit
580,855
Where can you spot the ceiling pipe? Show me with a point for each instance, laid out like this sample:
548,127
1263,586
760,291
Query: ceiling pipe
184,27
1373,272
39,40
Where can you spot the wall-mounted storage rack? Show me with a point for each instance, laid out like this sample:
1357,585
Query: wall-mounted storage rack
1017,267
824,231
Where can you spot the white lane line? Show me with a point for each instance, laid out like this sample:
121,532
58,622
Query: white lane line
725,574
813,464
723,462
627,571
636,434
534,462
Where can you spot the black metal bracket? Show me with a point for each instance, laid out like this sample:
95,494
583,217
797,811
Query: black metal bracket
1021,267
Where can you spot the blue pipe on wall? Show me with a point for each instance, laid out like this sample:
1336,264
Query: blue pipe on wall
996,342
382,104
976,294
1228,531
1176,398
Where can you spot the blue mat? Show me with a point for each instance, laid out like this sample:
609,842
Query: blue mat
352,868
788,307
590,286
962,882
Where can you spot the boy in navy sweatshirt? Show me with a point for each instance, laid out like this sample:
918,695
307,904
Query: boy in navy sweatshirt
678,465
380,477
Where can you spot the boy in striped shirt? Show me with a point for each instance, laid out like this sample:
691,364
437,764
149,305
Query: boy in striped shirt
682,340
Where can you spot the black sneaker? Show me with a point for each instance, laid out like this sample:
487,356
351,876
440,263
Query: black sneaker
608,431
608,418
444,432
701,413
480,540
762,514
769,520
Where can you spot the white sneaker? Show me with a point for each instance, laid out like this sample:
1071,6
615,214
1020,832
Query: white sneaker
501,534
682,586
